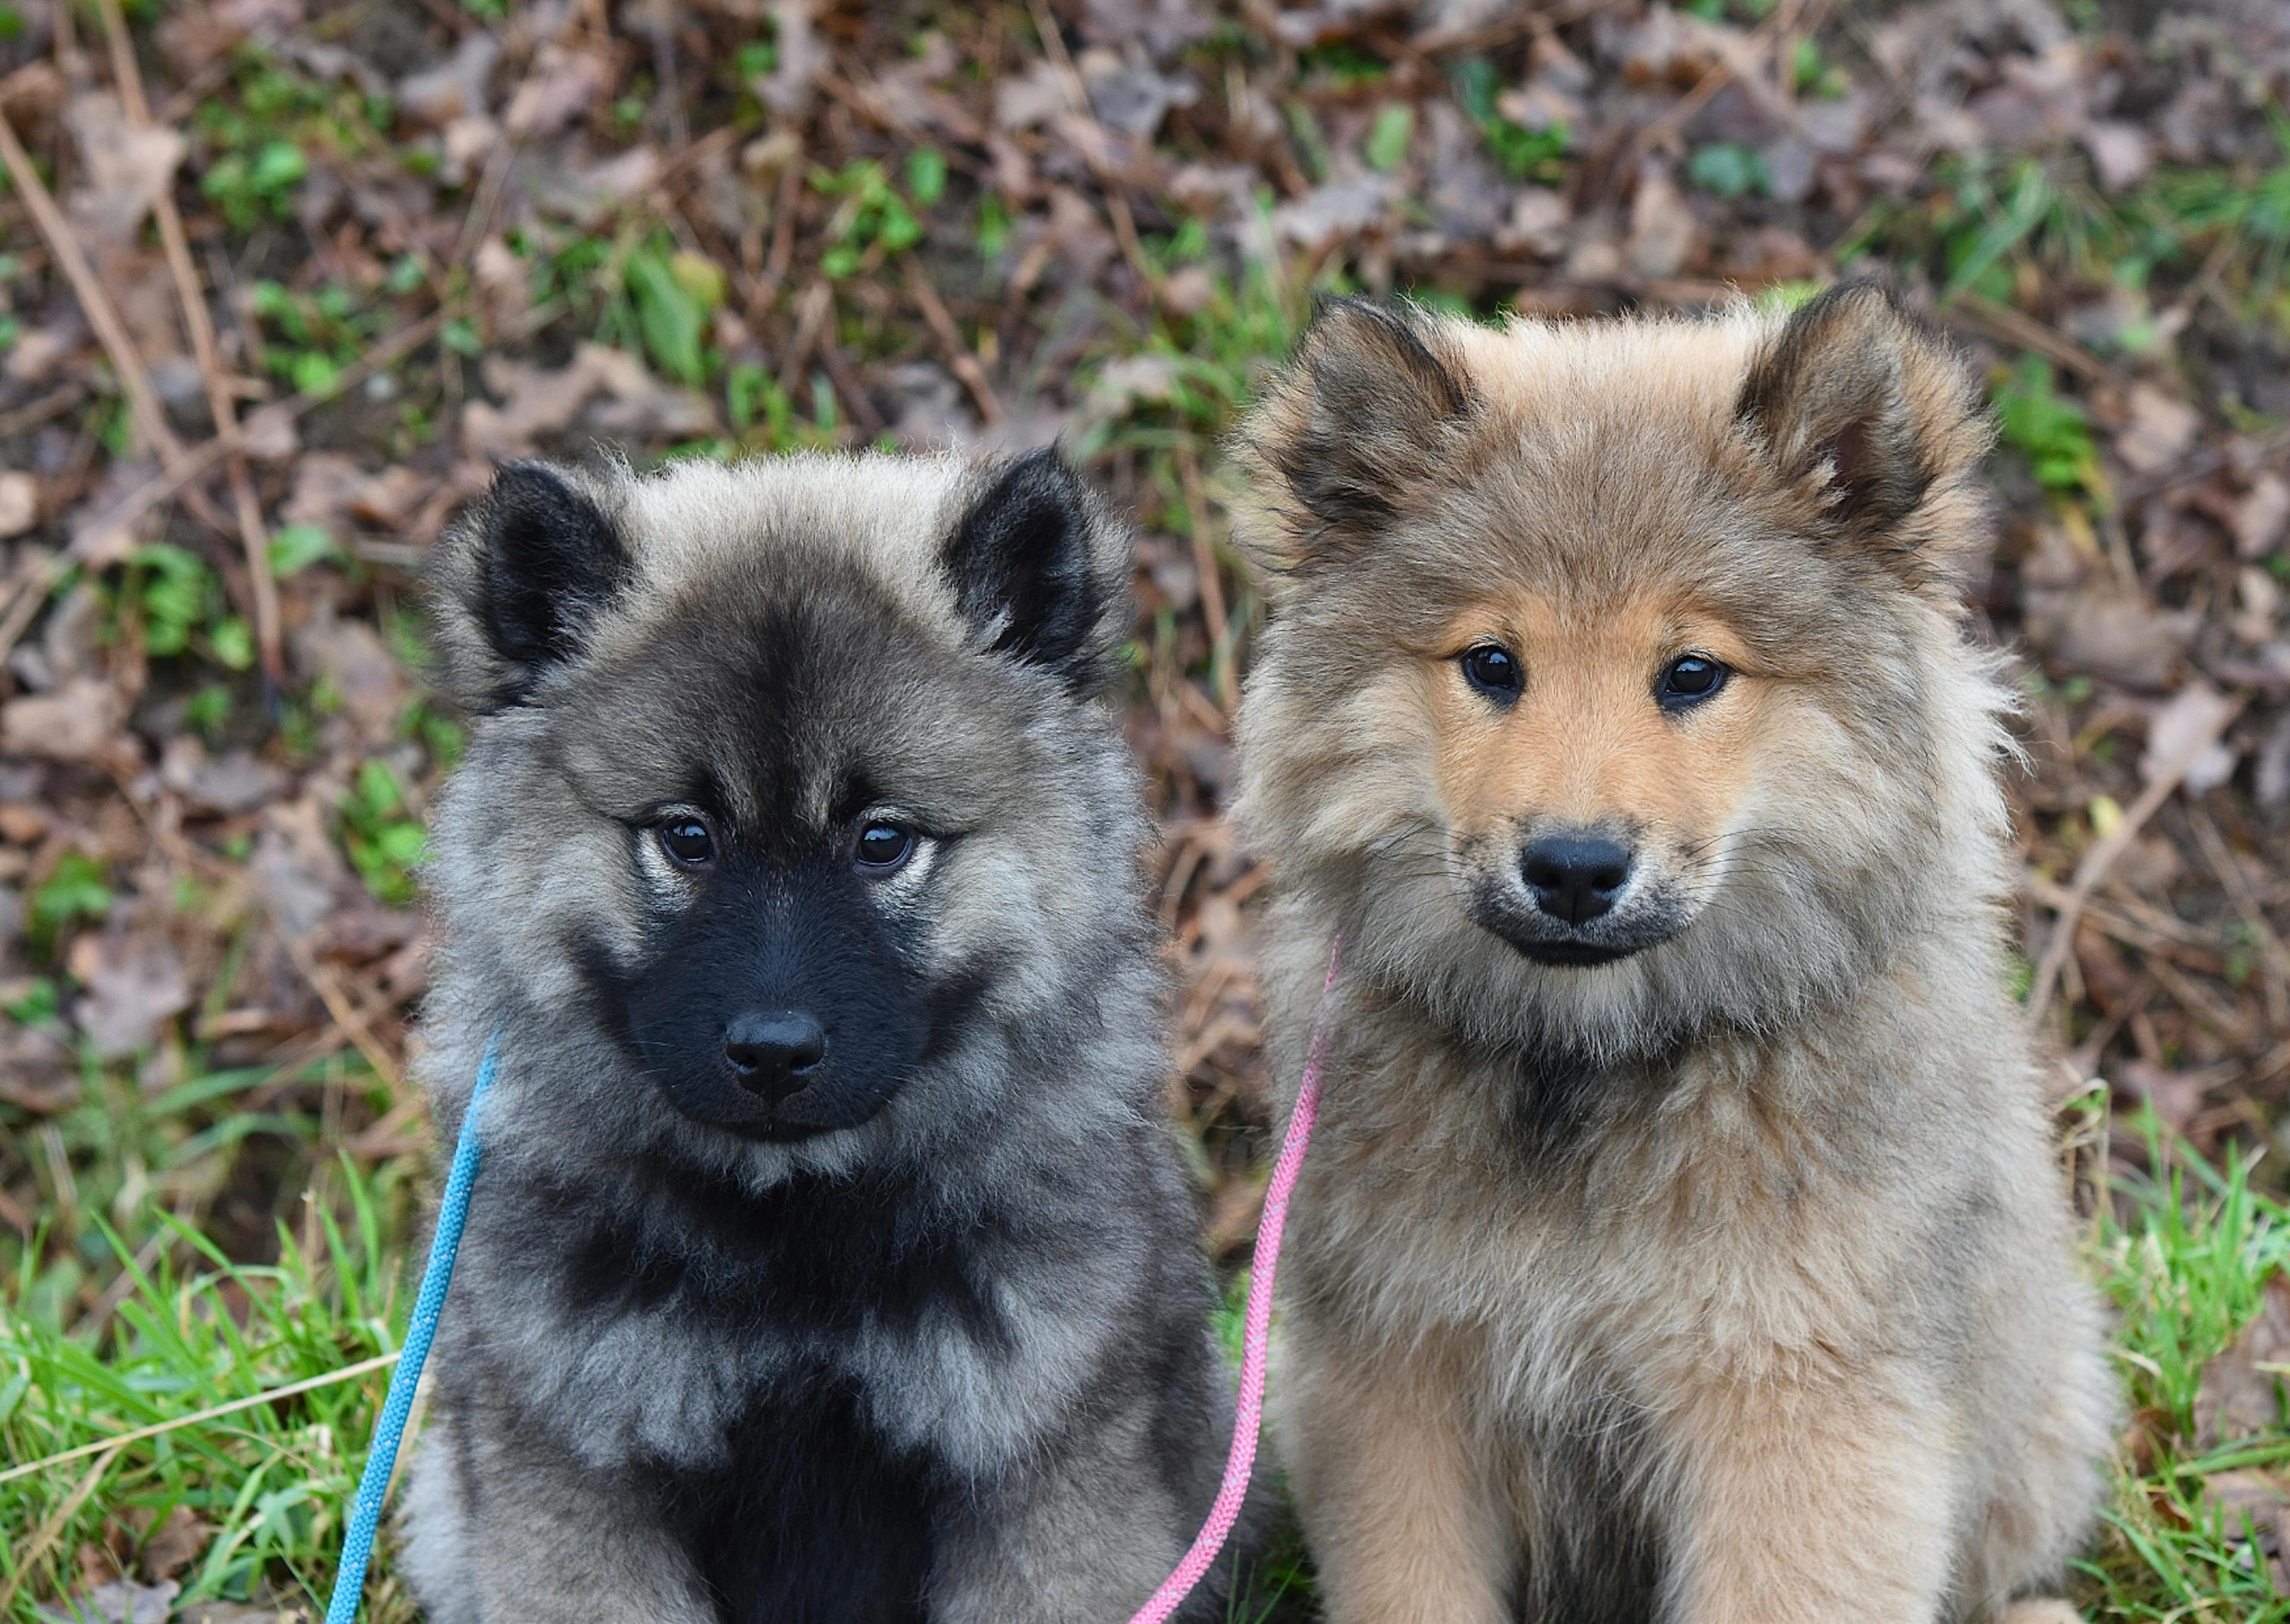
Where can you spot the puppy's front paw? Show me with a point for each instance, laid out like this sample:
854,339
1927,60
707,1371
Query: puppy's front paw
2045,1610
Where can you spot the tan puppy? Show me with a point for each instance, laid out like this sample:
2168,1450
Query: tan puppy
1682,1240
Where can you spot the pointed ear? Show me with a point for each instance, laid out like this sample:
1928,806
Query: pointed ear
1876,423
1042,569
1372,403
520,579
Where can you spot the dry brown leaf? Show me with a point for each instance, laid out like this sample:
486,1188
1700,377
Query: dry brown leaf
135,984
128,168
454,87
175,1544
325,484
236,782
2122,153
194,36
2191,720
20,503
79,722
789,88
2237,1397
2260,516
563,85
1662,228
2160,429
123,1601
37,1074
300,874
351,656
1344,207
2108,631
1132,97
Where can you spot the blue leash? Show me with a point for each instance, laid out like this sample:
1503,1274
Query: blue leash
428,1306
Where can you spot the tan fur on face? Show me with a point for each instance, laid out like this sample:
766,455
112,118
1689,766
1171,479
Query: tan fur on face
1730,1282
1586,745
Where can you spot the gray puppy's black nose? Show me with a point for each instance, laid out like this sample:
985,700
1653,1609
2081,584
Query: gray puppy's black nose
1575,876
773,1052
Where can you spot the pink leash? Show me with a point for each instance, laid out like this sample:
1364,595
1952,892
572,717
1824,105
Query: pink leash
1257,1331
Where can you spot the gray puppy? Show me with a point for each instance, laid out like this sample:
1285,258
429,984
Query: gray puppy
829,1262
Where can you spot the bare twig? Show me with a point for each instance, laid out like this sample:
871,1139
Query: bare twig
49,1530
254,537
353,1024
109,1446
101,315
2103,853
784,203
959,355
1116,196
2017,327
52,404
846,384
152,492
1212,579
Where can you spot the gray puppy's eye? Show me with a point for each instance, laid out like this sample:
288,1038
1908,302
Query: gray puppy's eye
687,843
884,847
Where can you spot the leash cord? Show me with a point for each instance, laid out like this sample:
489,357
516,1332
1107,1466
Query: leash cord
1248,1416
1256,1333
422,1328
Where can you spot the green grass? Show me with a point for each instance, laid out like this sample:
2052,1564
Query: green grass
271,1480
2187,1265
2188,1272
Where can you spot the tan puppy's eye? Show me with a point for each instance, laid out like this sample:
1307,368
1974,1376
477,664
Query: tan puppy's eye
1689,680
1494,671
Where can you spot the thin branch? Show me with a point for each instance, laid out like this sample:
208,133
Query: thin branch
348,1373
1093,152
959,355
1211,577
29,1557
102,315
2113,845
154,491
199,325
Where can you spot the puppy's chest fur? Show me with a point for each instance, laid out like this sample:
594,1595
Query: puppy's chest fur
1601,1226
809,1516
1585,1243
754,1364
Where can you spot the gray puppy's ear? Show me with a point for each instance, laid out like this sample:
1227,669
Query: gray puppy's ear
1041,569
1371,403
1854,400
521,578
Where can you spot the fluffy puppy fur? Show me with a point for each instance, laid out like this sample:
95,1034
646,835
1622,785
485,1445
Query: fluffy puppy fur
830,1262
1682,1241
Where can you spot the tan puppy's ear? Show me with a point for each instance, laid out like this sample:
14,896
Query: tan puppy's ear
1371,404
1877,420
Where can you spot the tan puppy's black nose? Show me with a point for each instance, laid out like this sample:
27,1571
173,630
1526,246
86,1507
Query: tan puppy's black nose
1575,876
773,1052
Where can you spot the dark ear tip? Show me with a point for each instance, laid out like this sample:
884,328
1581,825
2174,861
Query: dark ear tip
1866,296
1031,559
1335,312
1048,461
522,477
